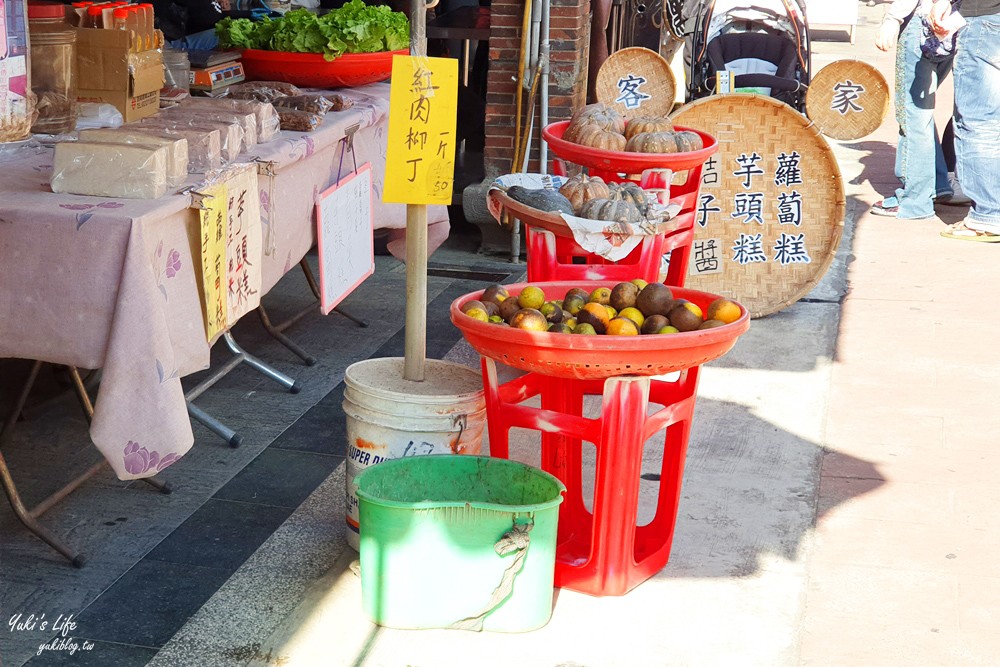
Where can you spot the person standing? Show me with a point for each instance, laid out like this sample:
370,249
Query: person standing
920,163
977,114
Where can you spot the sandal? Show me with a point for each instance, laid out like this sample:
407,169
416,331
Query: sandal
960,232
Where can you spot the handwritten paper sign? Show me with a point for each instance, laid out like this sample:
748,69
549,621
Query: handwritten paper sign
423,109
345,226
243,244
213,215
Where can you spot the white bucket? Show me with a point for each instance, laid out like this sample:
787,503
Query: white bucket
389,417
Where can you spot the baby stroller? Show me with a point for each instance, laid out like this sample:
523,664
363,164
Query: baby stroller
765,43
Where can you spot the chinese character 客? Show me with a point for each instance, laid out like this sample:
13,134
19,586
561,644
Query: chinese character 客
791,248
705,207
630,95
846,93
706,257
748,168
749,206
788,172
749,248
790,208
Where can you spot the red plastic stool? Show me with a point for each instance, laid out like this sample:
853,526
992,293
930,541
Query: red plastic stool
553,257
604,552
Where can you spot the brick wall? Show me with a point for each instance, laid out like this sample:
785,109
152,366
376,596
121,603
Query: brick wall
570,39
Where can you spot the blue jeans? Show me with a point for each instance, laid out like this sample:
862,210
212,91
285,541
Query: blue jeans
977,119
920,164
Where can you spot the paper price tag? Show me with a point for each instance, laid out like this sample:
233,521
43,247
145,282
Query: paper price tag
423,109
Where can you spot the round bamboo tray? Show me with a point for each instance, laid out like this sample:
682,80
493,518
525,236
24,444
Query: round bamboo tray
764,239
847,99
637,82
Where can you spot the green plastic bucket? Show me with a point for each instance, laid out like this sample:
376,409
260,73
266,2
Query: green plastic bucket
464,542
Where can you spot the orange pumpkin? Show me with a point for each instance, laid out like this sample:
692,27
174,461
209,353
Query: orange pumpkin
582,188
601,114
688,141
595,137
647,124
652,142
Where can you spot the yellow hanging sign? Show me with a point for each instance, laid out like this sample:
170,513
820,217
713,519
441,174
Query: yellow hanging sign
213,213
423,108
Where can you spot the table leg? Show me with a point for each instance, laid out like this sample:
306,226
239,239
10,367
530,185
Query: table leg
276,331
8,426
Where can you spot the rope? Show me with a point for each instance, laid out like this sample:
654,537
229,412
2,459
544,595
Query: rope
515,539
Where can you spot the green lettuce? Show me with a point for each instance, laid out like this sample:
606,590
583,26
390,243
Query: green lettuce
353,28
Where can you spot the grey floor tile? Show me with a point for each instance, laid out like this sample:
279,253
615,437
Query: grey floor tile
279,478
99,654
220,534
321,430
150,603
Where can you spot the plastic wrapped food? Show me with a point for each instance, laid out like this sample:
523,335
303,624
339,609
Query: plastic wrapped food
230,134
247,121
299,121
262,91
110,170
339,102
177,149
204,145
313,103
264,113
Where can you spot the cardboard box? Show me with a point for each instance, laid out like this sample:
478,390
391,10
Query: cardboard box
110,70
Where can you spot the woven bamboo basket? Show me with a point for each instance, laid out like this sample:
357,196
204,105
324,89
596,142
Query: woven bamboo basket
848,99
799,194
637,82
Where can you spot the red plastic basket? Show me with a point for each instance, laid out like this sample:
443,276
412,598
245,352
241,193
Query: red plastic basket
311,70
597,357
626,163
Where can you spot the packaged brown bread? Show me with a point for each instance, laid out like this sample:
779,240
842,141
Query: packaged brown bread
299,121
265,91
230,134
311,102
177,148
267,119
247,121
128,171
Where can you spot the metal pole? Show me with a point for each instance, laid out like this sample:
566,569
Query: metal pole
416,238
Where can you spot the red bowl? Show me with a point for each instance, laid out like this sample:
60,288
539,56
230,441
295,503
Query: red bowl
623,162
312,71
585,357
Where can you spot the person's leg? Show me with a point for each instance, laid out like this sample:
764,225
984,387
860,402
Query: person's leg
977,119
598,43
921,167
948,145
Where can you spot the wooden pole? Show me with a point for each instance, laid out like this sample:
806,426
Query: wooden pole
416,238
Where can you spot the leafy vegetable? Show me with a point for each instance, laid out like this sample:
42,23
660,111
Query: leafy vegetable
354,28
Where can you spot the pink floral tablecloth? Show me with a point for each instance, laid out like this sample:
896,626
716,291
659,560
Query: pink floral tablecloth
113,284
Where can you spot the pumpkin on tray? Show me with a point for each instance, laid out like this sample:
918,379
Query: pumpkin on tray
647,124
611,210
582,188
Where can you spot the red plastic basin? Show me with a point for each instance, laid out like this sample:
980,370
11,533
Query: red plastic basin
311,70
596,357
623,162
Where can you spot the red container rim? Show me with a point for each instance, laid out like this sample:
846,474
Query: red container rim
626,162
317,58
523,341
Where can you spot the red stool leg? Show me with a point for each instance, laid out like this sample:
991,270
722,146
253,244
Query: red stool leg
498,429
542,258
562,456
607,568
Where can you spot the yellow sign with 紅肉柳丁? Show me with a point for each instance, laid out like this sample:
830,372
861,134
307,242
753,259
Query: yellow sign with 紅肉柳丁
423,108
